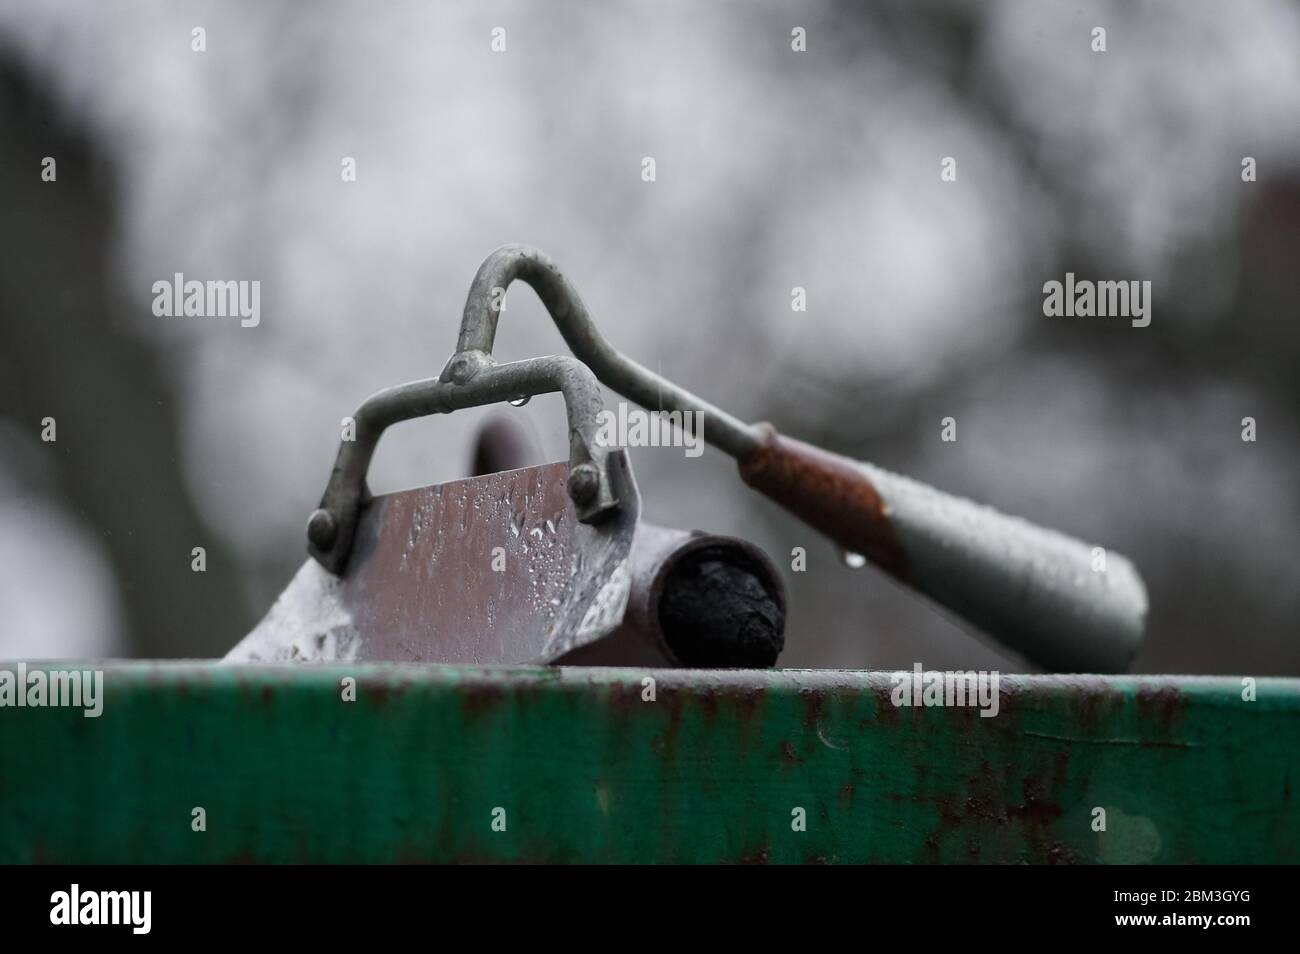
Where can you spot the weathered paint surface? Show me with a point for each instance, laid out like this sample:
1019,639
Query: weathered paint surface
587,771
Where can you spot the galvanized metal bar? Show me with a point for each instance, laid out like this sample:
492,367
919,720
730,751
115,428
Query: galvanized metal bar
603,766
465,383
479,327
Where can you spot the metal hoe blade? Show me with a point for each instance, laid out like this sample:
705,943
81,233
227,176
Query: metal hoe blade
489,570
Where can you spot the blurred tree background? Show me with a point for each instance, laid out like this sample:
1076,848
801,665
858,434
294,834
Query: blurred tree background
775,169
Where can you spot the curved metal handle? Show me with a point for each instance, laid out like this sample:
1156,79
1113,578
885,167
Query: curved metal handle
467,382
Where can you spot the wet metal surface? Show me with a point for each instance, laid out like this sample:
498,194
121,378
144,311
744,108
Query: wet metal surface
494,569
617,371
830,494
1035,590
707,768
467,381
1055,600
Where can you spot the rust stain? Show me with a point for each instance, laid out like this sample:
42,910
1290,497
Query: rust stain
379,693
987,804
1037,809
814,708
623,697
1093,700
757,857
828,492
789,754
748,705
886,712
481,700
1040,811
666,746
1160,711
708,703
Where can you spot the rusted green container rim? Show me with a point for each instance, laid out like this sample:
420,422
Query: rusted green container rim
381,763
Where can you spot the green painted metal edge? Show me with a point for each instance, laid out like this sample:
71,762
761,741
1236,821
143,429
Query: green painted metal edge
584,768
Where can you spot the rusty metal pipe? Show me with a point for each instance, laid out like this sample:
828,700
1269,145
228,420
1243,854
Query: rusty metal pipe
697,600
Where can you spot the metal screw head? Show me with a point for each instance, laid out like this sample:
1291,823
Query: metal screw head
584,481
322,528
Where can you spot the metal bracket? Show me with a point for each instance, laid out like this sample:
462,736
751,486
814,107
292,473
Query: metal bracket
469,380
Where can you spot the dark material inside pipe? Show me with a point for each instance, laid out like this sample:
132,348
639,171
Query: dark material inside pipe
719,610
